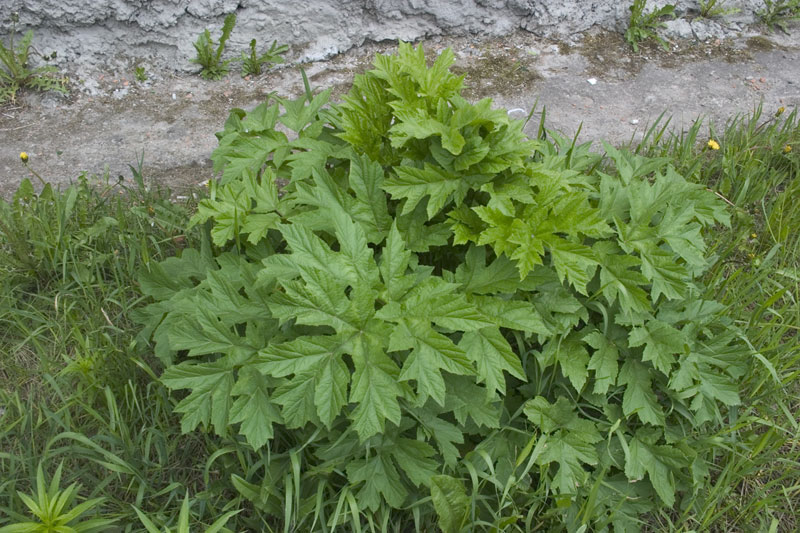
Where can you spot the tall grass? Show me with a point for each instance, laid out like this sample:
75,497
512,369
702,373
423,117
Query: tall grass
757,275
75,385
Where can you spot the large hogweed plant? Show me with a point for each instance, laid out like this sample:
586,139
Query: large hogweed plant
405,284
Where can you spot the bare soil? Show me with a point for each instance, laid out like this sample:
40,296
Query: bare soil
595,82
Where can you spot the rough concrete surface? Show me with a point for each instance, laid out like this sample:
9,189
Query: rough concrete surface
591,78
161,32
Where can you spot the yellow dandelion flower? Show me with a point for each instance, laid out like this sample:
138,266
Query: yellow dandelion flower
787,149
753,236
23,157
714,145
780,111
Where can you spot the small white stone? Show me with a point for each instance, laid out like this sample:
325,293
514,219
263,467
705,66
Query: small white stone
635,121
592,81
174,97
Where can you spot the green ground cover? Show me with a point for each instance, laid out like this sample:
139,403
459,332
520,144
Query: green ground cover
408,317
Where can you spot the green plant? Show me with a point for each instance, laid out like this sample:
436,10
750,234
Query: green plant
69,257
755,276
140,73
183,520
433,293
451,503
645,25
53,509
209,57
251,64
715,8
15,72
74,385
779,13
60,237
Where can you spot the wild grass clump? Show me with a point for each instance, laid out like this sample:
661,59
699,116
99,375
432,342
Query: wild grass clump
75,388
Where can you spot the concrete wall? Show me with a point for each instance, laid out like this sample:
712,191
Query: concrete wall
92,32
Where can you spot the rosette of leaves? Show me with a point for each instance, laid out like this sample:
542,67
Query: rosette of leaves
54,509
431,293
209,53
643,26
251,63
16,73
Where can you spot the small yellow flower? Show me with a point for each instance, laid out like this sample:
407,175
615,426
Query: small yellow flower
714,145
23,156
780,111
753,236
751,255
787,149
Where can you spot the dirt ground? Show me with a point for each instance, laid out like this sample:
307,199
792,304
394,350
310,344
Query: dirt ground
110,120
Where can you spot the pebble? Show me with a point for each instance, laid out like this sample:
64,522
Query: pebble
174,97
635,121
592,81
